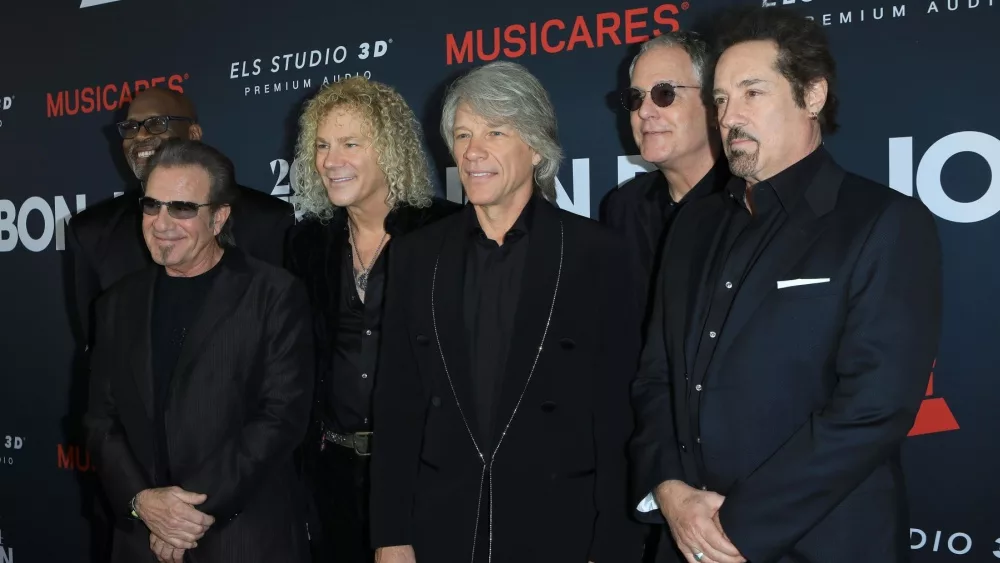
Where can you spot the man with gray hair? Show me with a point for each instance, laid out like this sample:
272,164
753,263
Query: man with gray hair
674,131
510,335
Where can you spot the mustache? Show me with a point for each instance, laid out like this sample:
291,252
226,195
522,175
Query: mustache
738,134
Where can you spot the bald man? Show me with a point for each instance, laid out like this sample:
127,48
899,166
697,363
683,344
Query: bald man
105,240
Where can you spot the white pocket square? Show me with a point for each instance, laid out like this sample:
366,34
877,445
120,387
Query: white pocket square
801,281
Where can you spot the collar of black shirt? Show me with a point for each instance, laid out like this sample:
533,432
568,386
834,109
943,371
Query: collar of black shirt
520,227
789,184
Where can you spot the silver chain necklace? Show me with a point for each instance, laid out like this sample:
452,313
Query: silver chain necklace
361,280
488,463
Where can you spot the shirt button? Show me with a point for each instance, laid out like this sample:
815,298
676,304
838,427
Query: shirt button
711,334
729,285
364,376
698,439
684,448
697,387
368,332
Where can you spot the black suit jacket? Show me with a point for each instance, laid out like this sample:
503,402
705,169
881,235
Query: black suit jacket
559,480
812,388
106,241
237,406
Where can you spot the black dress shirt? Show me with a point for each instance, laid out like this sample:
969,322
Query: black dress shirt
643,210
348,392
176,304
744,237
493,277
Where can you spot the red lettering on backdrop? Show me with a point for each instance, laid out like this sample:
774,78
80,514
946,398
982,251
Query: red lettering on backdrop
580,33
609,30
534,38
87,100
54,108
126,95
460,55
113,104
141,85
934,415
156,81
510,38
631,26
545,36
661,19
175,83
496,45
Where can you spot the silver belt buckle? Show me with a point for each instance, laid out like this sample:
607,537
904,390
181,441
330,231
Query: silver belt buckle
362,438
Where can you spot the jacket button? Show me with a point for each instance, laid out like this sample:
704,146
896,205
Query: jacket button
567,344
548,406
436,401
422,340
684,448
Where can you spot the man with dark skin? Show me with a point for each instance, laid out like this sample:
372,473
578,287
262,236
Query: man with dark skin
104,239
105,242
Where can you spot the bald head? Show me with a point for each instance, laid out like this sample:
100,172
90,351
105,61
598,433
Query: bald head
161,114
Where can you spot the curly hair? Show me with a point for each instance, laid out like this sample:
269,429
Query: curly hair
396,138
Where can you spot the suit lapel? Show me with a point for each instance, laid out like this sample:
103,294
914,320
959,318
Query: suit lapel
789,244
449,320
225,293
541,272
142,350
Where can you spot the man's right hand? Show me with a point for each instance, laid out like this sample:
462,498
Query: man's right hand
170,514
689,513
395,554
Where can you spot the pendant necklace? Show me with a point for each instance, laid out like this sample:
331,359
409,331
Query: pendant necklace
362,278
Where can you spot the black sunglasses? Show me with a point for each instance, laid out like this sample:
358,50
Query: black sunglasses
176,209
156,125
663,94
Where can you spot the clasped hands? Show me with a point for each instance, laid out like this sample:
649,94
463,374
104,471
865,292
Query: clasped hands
175,525
693,517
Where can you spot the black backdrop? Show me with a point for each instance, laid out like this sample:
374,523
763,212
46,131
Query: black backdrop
918,84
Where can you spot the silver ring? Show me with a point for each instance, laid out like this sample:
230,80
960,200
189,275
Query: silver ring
699,556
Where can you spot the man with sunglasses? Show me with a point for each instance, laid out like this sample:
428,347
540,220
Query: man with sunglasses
674,131
104,238
202,374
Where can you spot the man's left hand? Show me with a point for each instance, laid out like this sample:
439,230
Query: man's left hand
718,524
164,552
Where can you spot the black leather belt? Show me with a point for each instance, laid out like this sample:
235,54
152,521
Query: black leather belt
360,442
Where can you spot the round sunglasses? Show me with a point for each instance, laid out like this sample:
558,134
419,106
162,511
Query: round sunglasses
663,94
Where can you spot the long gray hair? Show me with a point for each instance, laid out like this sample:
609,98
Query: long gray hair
505,93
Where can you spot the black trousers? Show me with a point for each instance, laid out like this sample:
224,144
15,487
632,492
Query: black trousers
341,484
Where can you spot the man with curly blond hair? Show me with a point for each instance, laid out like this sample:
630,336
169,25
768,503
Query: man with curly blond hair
361,179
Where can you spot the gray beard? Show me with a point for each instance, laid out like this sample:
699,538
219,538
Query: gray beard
743,164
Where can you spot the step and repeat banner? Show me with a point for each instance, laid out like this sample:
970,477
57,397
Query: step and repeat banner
918,84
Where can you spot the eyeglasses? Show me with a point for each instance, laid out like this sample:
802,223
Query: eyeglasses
176,209
155,125
663,94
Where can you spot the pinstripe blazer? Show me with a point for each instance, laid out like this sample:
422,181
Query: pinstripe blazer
237,406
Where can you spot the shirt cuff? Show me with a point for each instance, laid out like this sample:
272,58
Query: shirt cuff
648,504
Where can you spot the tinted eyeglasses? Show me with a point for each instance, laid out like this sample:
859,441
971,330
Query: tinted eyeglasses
176,209
663,94
155,125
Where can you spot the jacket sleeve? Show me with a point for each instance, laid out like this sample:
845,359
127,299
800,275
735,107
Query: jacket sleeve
120,473
399,409
616,536
654,447
276,423
86,285
889,341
